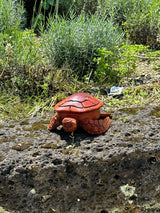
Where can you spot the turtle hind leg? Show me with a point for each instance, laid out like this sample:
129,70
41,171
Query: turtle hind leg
54,123
95,127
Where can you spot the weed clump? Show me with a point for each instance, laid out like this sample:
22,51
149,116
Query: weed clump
115,64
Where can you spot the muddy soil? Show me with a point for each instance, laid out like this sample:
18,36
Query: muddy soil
118,171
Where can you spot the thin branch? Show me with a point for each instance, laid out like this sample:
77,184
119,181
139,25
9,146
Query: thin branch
4,67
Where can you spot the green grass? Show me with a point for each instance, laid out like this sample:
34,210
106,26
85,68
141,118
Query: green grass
12,107
136,96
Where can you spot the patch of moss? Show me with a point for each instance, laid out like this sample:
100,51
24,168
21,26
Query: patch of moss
24,122
155,112
70,151
45,121
22,146
3,140
132,111
152,141
31,136
1,158
133,139
125,119
11,126
36,126
1,126
124,145
49,146
114,118
138,121
5,150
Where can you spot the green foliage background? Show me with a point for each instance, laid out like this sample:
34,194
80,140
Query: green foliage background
83,38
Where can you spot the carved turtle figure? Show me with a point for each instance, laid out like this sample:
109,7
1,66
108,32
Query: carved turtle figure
80,110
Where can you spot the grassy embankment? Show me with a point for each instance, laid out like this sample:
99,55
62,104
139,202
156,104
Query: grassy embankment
91,49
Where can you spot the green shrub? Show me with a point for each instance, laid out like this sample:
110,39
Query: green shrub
11,19
89,6
117,9
143,25
140,19
21,62
11,15
75,42
117,63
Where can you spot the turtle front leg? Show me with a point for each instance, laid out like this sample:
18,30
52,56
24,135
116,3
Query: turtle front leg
95,127
54,122
69,124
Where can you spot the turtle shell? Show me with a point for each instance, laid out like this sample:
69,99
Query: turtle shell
78,103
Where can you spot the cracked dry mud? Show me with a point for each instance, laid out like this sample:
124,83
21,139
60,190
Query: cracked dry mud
42,171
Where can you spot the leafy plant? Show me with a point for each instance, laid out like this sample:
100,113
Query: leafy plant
105,70
117,63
